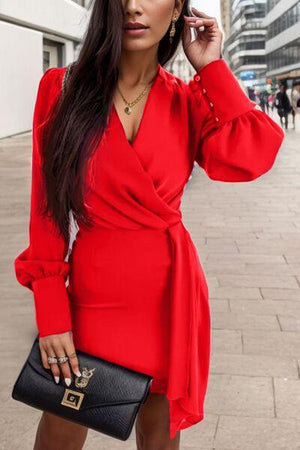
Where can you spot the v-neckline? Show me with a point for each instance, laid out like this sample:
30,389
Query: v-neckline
146,106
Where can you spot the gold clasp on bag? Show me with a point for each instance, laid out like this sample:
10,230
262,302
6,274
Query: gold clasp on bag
72,399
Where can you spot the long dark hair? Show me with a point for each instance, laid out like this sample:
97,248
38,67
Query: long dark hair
78,121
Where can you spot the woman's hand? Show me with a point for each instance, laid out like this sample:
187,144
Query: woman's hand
207,46
58,345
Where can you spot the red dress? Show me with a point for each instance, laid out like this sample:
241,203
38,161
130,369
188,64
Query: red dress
137,294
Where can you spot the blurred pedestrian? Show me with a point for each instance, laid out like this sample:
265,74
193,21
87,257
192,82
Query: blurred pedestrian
257,93
295,99
251,94
283,105
263,101
271,100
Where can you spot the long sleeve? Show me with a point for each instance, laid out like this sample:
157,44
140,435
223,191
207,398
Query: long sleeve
41,267
233,139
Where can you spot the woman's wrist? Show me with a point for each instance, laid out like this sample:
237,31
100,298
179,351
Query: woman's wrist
221,90
199,68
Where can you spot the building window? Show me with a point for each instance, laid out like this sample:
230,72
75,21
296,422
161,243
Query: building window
52,54
271,4
284,56
287,20
251,45
248,12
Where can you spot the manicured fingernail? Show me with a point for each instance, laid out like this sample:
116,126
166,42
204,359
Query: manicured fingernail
68,381
56,379
78,373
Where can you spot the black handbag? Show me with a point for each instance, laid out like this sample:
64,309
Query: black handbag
106,397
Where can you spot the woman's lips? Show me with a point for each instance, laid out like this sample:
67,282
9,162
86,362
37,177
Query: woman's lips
135,31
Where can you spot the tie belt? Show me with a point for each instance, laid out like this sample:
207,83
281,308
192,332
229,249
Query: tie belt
189,330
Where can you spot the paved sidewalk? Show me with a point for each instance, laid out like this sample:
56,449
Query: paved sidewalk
248,237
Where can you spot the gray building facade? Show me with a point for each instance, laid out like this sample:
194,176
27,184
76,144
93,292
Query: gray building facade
244,47
283,39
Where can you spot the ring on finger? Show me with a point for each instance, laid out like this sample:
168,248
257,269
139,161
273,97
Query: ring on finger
52,360
73,355
62,359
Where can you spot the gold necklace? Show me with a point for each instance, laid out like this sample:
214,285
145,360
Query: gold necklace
129,106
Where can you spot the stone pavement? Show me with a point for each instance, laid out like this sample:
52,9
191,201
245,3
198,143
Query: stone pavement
248,238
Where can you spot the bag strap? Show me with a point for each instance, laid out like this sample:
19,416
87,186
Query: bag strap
65,79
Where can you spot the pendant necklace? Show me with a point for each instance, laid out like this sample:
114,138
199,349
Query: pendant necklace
128,108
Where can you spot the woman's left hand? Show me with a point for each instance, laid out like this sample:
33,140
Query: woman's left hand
207,46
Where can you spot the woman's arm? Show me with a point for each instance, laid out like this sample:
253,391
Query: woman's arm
233,139
41,267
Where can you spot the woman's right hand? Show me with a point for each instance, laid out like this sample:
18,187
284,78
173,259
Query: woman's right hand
58,345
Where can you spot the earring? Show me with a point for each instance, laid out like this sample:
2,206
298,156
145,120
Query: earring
173,30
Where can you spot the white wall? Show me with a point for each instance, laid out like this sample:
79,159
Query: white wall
23,25
64,17
21,56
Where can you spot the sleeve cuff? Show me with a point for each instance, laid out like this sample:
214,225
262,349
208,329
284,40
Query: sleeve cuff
221,90
52,306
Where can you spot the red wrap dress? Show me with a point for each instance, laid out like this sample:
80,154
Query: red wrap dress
136,292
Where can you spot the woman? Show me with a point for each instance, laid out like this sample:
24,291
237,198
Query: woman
137,294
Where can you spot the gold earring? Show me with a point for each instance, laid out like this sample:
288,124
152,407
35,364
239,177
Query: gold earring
173,30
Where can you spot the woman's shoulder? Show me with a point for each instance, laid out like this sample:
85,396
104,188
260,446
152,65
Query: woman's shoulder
50,83
52,77
176,84
49,91
170,77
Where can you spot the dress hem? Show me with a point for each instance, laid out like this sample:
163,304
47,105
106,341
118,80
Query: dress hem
158,387
183,424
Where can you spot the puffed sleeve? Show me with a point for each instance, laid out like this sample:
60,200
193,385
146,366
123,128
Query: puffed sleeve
233,139
41,267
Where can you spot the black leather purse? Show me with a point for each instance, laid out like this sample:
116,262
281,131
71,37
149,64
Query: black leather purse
106,397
